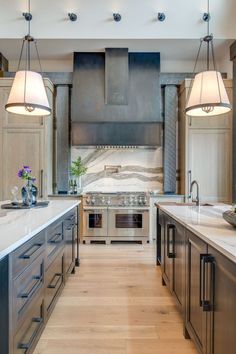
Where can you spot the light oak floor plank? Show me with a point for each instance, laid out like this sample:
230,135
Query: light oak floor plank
115,304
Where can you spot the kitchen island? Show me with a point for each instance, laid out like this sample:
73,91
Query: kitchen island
198,262
37,255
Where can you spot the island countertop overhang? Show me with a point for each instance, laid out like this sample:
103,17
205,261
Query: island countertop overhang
19,226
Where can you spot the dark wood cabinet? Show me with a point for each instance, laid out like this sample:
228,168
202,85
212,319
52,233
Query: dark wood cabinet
196,320
172,256
203,281
221,294
178,283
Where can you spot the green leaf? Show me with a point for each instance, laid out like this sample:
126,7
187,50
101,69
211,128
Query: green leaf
78,168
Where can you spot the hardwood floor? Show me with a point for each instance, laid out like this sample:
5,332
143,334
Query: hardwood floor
115,304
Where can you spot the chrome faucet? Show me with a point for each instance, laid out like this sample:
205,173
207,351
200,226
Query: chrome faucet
197,200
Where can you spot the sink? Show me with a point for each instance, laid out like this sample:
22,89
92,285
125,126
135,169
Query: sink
194,204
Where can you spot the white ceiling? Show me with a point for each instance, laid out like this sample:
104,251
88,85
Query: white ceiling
62,49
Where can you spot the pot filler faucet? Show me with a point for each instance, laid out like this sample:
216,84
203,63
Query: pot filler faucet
197,200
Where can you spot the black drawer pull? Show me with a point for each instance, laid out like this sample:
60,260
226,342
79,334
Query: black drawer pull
56,239
171,242
29,253
33,288
70,228
70,218
207,304
55,280
26,346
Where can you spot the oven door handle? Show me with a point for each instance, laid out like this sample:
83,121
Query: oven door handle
95,210
141,210
121,210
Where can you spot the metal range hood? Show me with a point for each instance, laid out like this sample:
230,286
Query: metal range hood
117,134
116,99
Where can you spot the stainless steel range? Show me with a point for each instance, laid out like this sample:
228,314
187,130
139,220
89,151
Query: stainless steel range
119,216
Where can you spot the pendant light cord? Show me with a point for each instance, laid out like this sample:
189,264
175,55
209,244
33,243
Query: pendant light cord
29,28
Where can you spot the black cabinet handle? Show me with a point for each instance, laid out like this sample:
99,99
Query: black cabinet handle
201,281
29,253
27,345
170,241
55,280
56,238
38,279
207,303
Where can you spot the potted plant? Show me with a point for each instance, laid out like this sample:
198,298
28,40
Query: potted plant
29,192
78,169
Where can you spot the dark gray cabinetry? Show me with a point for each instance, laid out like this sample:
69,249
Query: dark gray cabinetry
31,279
53,282
172,256
4,311
69,231
195,320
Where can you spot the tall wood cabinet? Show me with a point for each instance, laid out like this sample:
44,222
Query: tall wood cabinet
24,141
205,151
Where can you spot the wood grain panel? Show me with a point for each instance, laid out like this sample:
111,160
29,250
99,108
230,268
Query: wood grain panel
115,304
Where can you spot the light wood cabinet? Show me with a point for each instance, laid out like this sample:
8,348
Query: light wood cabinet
205,151
24,141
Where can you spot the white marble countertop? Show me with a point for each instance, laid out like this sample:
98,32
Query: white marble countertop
18,226
207,223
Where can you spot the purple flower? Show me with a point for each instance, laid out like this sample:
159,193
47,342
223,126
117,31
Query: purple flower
20,173
25,172
27,169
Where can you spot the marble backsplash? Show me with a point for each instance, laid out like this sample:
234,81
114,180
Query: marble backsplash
121,169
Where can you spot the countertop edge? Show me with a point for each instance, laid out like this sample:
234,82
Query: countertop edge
33,233
204,238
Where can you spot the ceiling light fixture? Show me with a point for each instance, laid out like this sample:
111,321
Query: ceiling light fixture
161,16
28,94
72,16
207,93
117,17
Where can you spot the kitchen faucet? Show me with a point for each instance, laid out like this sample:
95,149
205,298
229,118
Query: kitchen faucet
197,200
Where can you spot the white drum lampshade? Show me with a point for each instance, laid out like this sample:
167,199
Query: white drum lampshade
28,95
208,96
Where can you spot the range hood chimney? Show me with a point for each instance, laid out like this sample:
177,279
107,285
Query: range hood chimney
116,99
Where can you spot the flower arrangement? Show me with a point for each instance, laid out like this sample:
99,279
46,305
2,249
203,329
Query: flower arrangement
25,174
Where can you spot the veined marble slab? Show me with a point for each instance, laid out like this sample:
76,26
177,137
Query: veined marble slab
18,226
138,169
207,222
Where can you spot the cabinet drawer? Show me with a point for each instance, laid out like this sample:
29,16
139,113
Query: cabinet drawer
53,281
30,330
55,241
26,287
27,253
70,218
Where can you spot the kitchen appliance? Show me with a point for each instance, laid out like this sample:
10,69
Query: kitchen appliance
111,217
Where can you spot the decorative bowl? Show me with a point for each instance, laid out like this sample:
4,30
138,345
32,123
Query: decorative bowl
230,217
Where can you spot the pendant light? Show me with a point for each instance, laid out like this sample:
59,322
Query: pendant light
28,94
207,93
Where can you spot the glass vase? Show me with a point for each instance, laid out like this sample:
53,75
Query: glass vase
29,194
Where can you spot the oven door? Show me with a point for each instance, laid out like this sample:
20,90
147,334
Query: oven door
94,222
128,222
